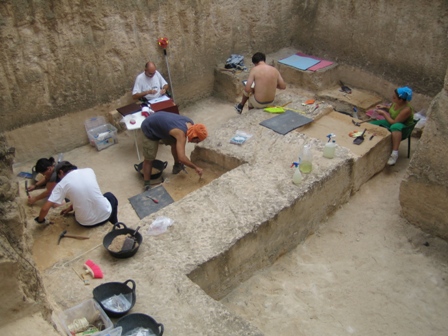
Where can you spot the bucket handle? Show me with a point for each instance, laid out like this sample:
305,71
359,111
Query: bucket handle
133,284
161,329
118,225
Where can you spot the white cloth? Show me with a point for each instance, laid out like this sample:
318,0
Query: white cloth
82,189
144,83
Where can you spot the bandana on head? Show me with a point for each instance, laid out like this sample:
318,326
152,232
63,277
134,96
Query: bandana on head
197,131
404,93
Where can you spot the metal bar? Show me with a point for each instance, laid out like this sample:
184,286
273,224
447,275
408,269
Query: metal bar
169,74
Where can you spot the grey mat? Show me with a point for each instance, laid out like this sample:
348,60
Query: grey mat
286,122
145,206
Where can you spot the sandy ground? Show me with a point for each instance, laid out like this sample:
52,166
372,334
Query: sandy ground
365,272
114,168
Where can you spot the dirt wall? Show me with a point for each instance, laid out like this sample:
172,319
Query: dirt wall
423,192
62,57
402,41
21,287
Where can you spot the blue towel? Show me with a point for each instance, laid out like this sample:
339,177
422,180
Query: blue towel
299,62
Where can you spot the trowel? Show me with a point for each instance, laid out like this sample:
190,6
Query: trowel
360,138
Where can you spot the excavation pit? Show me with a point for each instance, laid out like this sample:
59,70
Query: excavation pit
223,232
243,216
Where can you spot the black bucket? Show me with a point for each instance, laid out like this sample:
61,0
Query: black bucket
109,289
157,164
116,231
137,320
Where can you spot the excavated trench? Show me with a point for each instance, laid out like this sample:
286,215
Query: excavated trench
241,217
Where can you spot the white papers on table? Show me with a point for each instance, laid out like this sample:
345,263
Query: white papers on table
159,99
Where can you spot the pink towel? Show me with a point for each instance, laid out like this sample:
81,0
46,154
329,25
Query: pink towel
374,114
322,64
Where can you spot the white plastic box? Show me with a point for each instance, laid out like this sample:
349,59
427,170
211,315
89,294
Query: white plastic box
103,136
88,309
93,123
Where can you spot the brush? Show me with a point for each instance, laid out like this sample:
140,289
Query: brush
81,276
93,269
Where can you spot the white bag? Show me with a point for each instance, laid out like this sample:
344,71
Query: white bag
159,225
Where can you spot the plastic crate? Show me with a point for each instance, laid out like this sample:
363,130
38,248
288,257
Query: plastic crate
88,309
103,136
94,122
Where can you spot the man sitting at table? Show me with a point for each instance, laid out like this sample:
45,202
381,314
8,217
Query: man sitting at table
149,84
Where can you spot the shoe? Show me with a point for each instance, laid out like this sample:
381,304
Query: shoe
146,187
239,108
392,159
177,168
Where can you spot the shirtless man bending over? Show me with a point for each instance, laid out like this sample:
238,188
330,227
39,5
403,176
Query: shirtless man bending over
267,79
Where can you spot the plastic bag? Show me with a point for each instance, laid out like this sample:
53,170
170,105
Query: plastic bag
140,331
159,225
118,303
421,116
240,137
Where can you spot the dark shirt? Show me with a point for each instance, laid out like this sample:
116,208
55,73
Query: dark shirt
158,125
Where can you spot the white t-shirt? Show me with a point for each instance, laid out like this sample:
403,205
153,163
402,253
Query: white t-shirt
145,83
82,189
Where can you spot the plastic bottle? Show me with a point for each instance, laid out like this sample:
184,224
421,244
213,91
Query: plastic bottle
329,149
306,160
297,177
60,157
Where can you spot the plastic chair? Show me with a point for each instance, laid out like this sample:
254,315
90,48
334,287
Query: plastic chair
406,133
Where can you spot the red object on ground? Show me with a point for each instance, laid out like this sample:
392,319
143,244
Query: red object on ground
93,269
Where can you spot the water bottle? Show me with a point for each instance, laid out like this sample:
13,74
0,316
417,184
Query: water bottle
60,157
329,149
306,160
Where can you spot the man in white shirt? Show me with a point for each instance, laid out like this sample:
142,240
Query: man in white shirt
80,186
149,84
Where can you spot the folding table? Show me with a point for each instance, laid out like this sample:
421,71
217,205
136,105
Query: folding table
133,112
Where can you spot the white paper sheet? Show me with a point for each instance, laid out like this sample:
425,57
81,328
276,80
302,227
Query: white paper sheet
159,99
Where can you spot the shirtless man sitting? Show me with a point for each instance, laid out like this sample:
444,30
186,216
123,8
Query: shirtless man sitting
267,79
